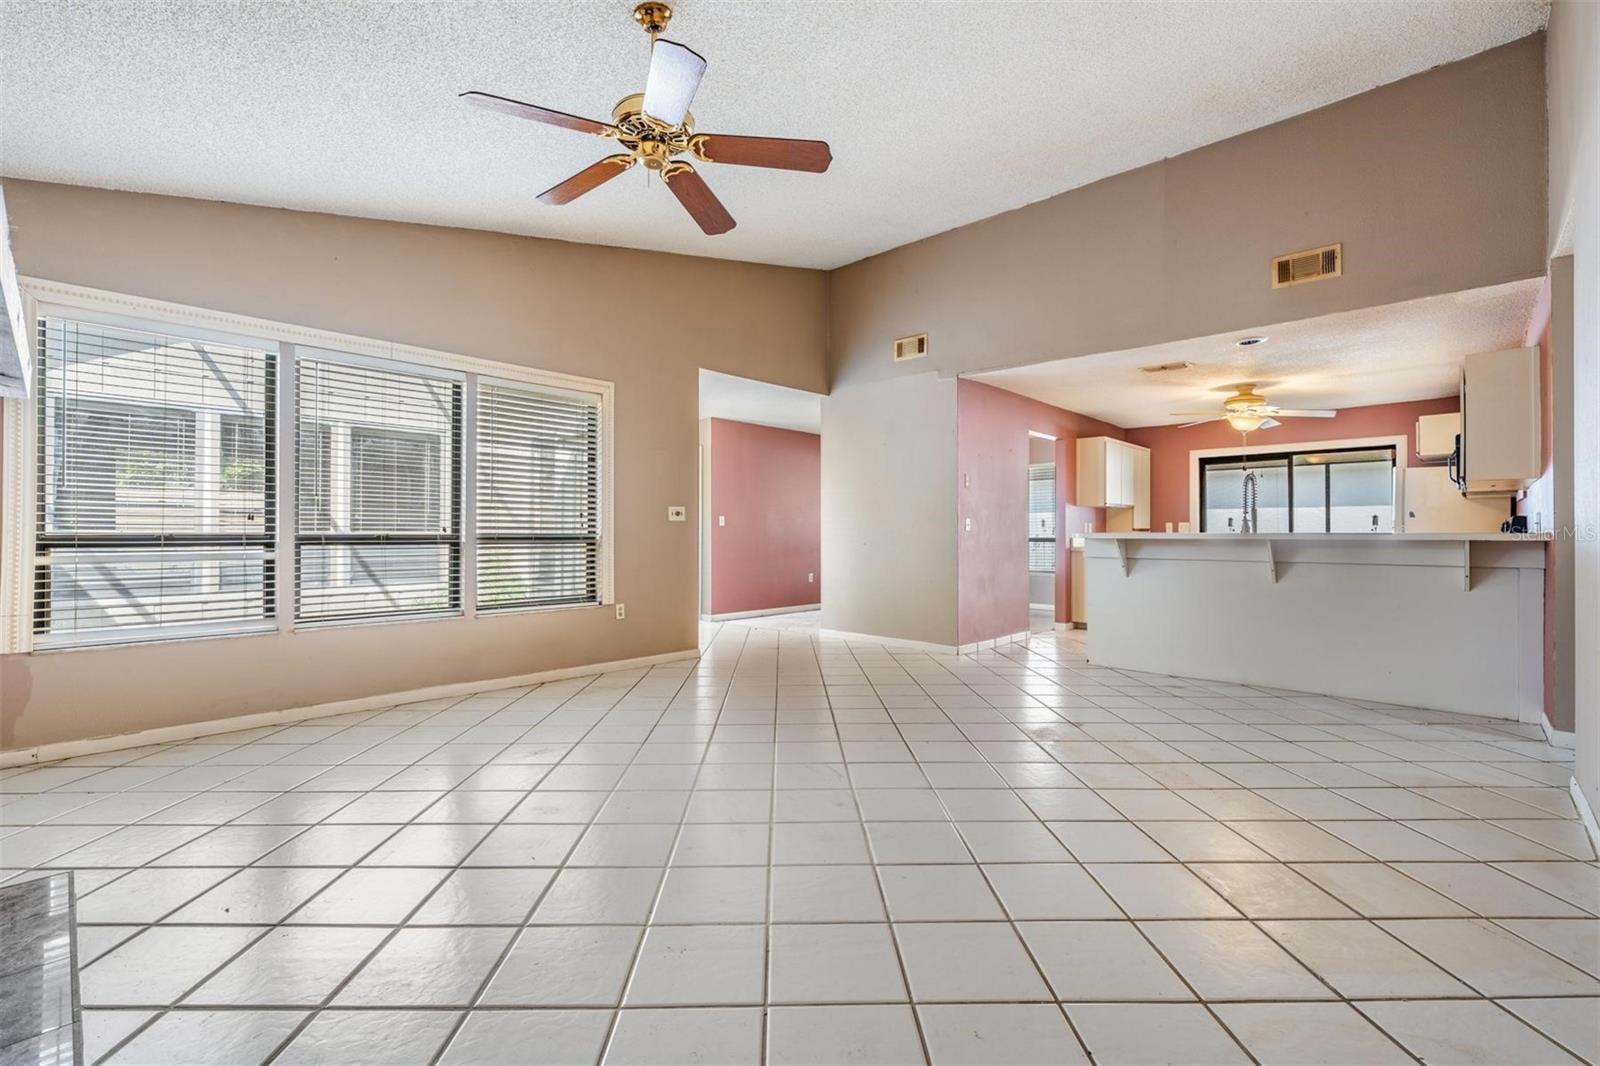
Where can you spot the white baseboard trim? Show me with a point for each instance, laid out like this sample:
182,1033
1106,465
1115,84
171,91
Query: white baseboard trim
890,642
733,615
1558,738
997,642
68,749
1580,800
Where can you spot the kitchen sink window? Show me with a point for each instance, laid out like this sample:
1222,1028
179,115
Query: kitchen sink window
1342,490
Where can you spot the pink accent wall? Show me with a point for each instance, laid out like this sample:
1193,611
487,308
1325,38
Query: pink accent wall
992,489
1170,445
767,484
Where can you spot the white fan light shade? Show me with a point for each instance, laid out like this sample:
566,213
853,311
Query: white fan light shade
675,73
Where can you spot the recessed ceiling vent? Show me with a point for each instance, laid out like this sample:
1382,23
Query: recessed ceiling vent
1297,268
1163,368
912,347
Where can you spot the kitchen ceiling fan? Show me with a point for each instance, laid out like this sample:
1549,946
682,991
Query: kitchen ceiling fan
655,127
1247,411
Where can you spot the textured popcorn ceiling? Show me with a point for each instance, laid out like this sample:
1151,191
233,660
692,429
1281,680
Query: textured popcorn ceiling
938,114
1405,351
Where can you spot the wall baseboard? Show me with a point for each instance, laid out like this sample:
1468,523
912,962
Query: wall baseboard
984,645
890,642
1558,738
68,749
733,615
1580,800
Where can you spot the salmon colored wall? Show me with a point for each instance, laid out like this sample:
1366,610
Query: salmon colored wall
992,467
766,484
1170,445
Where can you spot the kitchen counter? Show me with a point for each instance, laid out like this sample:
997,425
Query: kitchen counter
1450,621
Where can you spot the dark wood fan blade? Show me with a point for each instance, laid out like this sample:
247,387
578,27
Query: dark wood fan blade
538,114
697,199
586,180
779,153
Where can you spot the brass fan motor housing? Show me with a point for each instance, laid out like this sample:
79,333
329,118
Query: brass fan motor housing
1245,396
652,143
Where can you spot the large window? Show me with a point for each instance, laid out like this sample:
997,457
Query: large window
377,501
1341,490
1042,517
161,458
538,522
155,484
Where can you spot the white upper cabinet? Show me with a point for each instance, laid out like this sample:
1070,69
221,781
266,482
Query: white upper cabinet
1436,436
1114,473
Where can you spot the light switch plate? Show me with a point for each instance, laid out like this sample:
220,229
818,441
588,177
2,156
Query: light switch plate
677,514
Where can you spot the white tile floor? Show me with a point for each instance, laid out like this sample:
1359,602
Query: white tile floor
805,851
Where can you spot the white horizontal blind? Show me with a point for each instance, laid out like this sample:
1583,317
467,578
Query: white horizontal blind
1042,517
538,497
378,457
155,484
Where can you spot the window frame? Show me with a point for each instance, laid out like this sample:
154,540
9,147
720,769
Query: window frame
18,454
1287,458
1055,514
478,535
455,500
24,615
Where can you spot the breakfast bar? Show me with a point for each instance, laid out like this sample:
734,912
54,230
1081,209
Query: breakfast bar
1446,621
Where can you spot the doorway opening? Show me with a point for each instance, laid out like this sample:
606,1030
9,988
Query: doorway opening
760,498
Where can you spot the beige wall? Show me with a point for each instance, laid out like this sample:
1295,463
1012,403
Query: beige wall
1574,230
575,308
1434,184
889,509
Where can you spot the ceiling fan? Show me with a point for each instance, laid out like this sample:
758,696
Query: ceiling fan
1247,411
655,126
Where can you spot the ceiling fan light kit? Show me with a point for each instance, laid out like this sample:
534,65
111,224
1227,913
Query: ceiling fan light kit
655,127
1247,411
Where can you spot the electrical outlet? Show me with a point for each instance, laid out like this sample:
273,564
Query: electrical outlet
622,612
969,525
722,519
810,578
677,514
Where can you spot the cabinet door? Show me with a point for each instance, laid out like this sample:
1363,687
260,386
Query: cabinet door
1141,488
1092,461
1130,477
1116,469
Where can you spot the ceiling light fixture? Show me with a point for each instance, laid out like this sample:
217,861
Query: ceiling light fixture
1249,342
1246,423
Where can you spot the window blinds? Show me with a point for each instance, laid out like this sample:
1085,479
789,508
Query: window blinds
378,462
1042,517
538,497
156,484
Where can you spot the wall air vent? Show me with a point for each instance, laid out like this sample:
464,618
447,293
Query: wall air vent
1162,368
1296,268
912,347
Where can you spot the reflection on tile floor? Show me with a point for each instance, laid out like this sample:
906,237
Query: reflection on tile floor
38,1005
797,850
